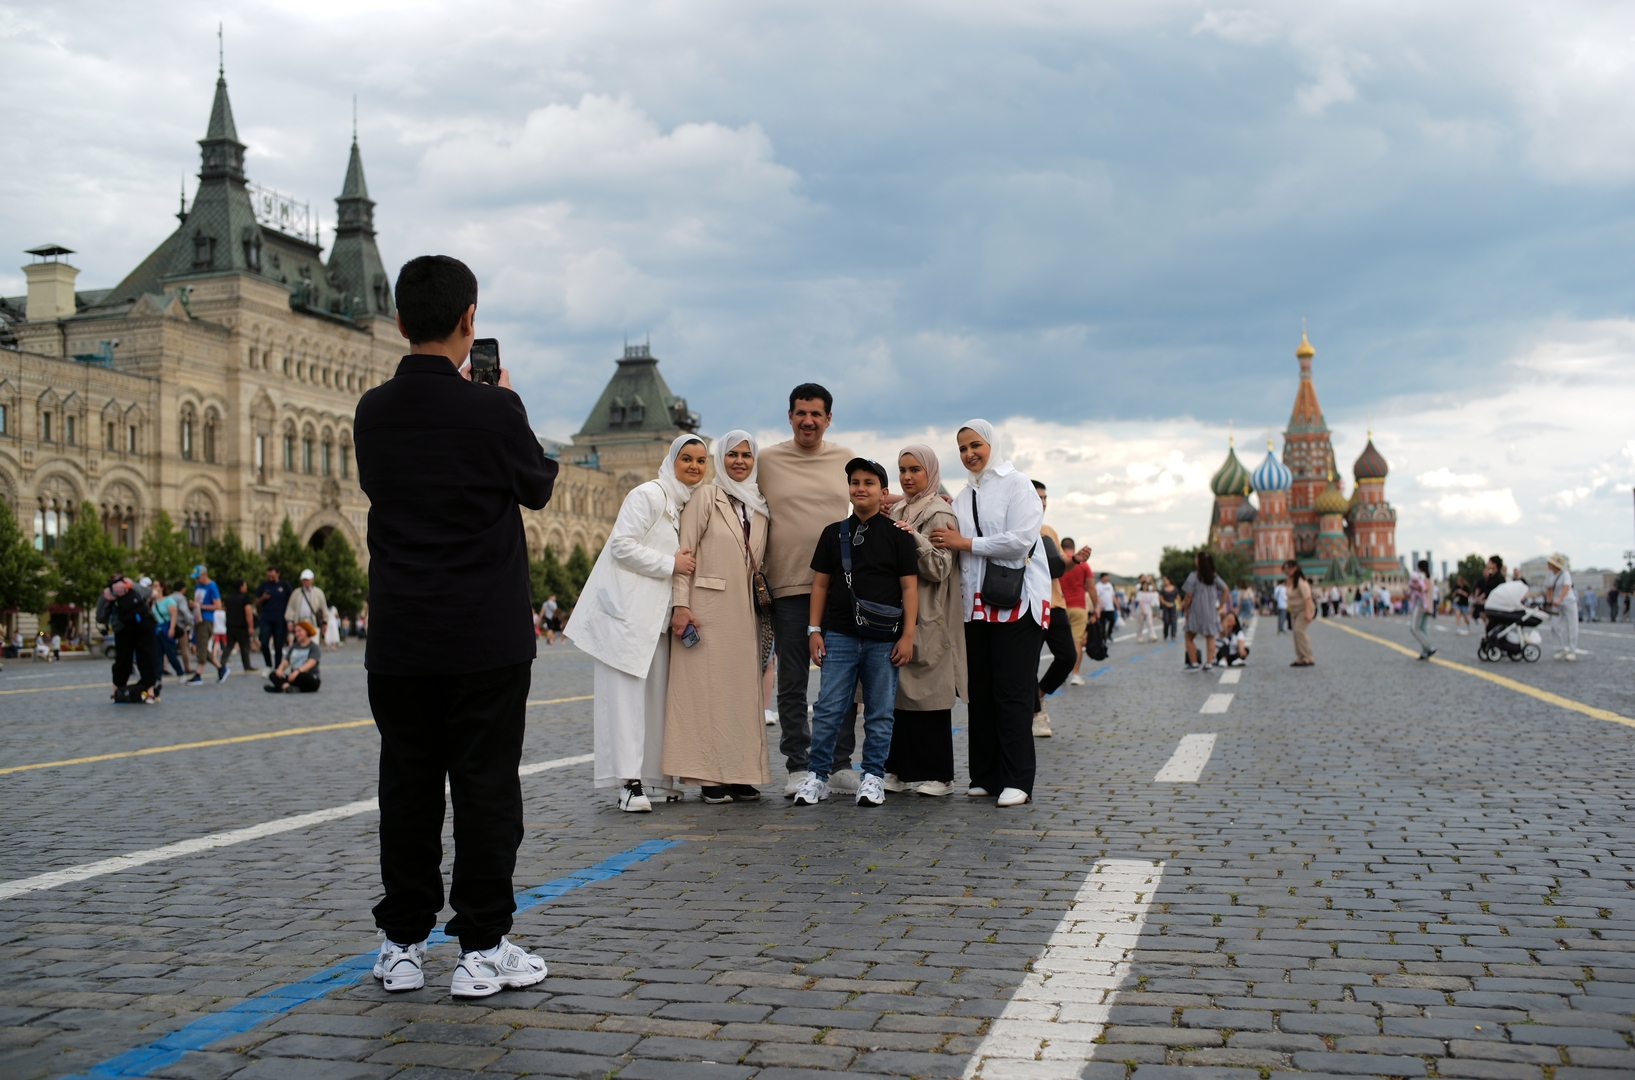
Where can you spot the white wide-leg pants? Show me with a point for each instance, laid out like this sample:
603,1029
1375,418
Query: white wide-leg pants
628,716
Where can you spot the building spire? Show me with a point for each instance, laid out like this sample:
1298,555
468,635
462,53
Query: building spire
221,54
354,119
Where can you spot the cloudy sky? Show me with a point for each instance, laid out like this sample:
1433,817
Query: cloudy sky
1097,224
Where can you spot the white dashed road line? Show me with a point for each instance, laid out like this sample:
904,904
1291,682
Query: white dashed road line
1217,703
1187,763
1049,1026
85,871
1230,676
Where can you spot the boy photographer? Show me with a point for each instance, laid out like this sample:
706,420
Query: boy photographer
865,600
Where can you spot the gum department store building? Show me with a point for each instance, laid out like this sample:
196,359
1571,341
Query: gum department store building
217,381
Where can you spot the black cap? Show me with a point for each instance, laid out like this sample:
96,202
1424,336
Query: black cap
872,466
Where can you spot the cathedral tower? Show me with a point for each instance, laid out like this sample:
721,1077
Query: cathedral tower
1308,454
1373,520
1273,527
1231,487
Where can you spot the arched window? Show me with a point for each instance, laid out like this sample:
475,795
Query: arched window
306,451
289,447
52,517
189,423
198,518
329,454
346,456
212,423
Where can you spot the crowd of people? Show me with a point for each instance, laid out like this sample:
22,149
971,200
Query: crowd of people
194,626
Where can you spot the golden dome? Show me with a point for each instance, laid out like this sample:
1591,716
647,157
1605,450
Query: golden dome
1331,501
1305,351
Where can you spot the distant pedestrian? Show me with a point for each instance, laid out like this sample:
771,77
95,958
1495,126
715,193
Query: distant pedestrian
1460,595
1146,610
307,603
550,621
1591,610
1419,607
1301,612
1077,585
206,603
238,608
1203,599
1169,598
1107,599
1059,637
1562,604
1280,600
625,627
271,598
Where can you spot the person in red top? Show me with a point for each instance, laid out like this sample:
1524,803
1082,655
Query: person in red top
1079,597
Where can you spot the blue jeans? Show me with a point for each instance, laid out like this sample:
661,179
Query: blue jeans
848,661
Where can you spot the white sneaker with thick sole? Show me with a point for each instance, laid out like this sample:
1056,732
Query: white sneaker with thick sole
871,791
1014,797
504,967
1075,680
633,800
934,787
977,792
1041,725
845,780
771,717
794,783
812,791
400,967
891,783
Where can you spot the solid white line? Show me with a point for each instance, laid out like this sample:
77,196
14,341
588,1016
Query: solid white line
1049,1026
1217,703
1230,676
89,870
1187,763
1125,637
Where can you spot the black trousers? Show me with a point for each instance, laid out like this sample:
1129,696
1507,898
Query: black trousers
1169,622
468,729
1002,662
305,682
240,636
789,622
1109,619
136,641
922,746
1059,640
273,635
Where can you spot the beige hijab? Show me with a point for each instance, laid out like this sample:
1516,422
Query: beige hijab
916,510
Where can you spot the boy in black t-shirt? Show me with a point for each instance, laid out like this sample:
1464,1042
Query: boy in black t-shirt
852,644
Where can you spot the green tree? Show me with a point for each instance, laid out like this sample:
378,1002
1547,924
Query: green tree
335,566
1176,563
579,567
546,577
86,558
229,560
24,573
287,554
163,552
1626,577
1471,568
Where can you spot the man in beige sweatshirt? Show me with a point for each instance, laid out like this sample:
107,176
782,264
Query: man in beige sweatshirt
804,483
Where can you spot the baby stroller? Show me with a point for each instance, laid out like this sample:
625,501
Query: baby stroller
1512,630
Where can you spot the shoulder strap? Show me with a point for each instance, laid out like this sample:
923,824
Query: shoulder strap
846,550
976,520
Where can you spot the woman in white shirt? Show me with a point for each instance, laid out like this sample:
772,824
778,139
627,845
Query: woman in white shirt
622,620
1561,601
999,517
1146,606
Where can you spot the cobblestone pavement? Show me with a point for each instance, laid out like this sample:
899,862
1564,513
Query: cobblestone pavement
1375,867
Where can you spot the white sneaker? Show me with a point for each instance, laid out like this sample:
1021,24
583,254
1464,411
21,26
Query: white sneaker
871,791
1462,632
891,783
505,966
400,967
1041,725
794,783
1571,657
934,787
1561,654
1014,797
1075,680
845,780
812,791
977,792
633,800
771,717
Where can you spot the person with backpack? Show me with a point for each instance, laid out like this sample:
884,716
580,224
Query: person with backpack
126,608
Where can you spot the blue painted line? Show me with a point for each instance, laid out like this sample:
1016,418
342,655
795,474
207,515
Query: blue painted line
169,1049
1099,671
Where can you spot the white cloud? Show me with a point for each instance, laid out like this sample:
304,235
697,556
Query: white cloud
1446,478
1478,508
1239,25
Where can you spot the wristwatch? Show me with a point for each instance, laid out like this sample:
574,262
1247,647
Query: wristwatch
810,630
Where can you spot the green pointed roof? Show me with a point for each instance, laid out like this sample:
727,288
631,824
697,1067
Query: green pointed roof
1231,478
355,187
636,401
354,260
221,114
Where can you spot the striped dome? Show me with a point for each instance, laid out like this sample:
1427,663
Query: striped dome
1231,478
1370,464
1272,475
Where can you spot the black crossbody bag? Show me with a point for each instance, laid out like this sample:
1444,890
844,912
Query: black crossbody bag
1001,585
875,622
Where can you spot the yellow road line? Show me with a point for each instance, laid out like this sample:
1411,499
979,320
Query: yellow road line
563,700
48,689
1500,680
185,746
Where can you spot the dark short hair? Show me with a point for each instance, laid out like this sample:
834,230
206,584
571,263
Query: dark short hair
1496,560
811,391
1424,566
432,293
1038,486
1067,543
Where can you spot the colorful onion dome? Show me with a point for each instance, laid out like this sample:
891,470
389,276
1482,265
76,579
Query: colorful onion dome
1331,501
1231,478
1247,513
1272,475
1304,351
1370,464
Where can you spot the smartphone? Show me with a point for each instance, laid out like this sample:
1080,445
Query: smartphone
485,360
689,636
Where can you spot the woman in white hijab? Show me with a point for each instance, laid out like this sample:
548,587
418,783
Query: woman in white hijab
622,619
714,735
999,518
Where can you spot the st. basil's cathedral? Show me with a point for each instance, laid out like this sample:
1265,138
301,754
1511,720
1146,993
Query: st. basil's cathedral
1300,508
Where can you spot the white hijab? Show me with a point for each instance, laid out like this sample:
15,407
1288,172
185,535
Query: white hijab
747,491
679,492
984,429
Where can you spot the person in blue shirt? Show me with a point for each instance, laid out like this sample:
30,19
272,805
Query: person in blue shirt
271,597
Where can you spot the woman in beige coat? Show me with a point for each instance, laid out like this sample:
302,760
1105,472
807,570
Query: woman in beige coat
922,739
714,736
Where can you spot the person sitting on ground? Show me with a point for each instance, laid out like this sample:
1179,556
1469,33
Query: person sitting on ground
1230,648
299,671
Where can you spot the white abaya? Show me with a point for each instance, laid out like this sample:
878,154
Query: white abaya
628,716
